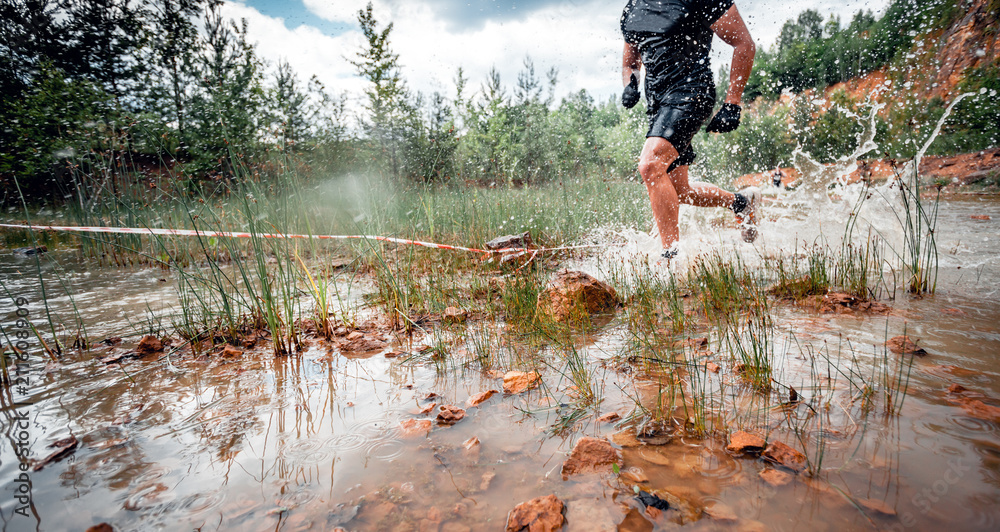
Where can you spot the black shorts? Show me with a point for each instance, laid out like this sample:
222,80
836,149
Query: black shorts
677,116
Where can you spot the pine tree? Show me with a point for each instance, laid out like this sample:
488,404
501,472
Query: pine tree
388,108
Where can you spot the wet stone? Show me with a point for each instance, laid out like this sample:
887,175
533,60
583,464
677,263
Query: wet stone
783,455
415,428
480,398
609,418
775,477
521,241
449,415
455,315
591,455
515,382
149,345
626,438
543,514
713,367
903,345
573,292
103,527
471,443
589,516
721,512
742,442
231,352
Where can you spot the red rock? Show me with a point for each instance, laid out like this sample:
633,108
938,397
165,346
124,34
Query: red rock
696,343
103,527
415,428
978,409
713,367
572,294
543,514
449,415
783,455
609,418
480,398
591,455
231,352
428,409
980,217
515,382
776,478
957,389
471,443
743,442
356,335
902,345
149,345
954,311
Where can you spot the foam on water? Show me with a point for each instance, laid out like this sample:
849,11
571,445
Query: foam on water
823,209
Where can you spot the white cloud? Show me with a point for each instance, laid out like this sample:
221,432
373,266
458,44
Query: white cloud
579,37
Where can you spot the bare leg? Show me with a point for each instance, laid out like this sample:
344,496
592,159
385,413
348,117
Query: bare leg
668,190
657,154
699,194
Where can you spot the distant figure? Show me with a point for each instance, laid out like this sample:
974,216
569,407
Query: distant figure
776,177
672,38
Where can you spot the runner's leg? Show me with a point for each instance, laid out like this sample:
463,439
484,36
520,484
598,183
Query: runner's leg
699,194
657,155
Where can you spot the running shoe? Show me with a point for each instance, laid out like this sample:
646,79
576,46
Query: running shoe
748,216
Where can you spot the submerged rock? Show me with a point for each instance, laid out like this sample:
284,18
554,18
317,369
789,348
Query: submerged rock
415,428
902,345
742,442
588,516
449,415
877,506
515,382
542,514
31,251
231,352
776,478
480,398
783,455
591,455
103,527
573,293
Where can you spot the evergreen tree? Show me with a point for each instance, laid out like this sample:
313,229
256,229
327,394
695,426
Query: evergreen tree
389,112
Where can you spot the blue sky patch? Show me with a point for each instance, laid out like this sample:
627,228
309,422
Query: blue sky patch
295,14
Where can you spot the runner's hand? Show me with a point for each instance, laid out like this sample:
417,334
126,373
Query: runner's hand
630,96
726,120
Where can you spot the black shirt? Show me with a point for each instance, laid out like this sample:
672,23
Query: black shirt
674,38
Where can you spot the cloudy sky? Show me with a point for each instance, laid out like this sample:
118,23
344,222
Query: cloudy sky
435,37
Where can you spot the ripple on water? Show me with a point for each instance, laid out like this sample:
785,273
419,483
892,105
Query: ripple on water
974,426
201,502
376,428
153,474
718,466
308,451
299,498
348,442
386,451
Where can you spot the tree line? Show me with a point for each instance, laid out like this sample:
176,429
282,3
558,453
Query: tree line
104,94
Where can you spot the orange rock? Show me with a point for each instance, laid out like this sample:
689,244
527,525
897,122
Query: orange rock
415,428
981,217
471,443
149,345
480,398
449,415
743,442
428,409
231,352
591,455
902,345
783,455
979,409
543,514
486,480
776,478
515,382
573,292
103,527
713,367
609,418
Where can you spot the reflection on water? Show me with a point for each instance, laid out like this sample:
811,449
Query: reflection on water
313,442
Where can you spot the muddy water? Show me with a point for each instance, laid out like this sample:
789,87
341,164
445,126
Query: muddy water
314,442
